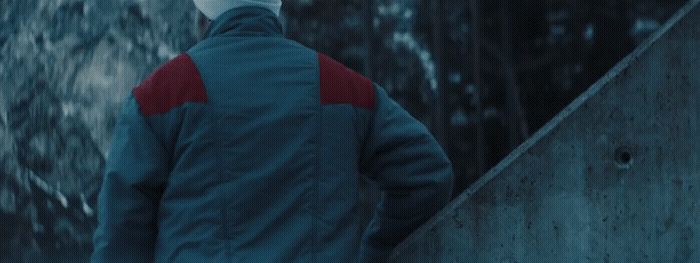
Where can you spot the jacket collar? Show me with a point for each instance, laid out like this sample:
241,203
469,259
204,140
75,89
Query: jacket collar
246,21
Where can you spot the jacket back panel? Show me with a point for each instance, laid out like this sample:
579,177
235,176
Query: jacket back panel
262,171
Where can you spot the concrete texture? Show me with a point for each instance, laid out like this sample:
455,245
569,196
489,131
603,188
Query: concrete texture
615,177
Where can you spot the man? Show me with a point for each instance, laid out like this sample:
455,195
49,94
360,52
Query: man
249,148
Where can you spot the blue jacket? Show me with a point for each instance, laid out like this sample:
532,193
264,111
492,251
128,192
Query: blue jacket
249,148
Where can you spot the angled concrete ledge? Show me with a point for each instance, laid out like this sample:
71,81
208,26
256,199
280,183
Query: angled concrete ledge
615,177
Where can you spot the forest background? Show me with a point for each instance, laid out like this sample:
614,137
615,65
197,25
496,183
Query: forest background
481,75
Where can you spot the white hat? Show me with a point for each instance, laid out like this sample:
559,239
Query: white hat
214,8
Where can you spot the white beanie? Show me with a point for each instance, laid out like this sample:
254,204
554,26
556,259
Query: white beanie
214,8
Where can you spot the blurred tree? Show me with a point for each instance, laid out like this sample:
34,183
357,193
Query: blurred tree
484,74
533,58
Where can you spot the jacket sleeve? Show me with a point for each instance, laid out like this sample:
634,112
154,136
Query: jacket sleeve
134,178
413,172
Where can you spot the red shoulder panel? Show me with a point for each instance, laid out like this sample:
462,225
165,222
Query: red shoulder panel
340,85
176,82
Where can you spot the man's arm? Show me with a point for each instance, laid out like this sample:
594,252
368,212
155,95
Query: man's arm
413,172
136,172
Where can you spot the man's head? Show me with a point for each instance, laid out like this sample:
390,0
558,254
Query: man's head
213,8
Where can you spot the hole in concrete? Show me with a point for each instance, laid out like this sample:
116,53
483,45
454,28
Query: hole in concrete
623,157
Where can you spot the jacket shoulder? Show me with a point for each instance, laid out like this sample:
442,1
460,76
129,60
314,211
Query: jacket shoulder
173,84
341,85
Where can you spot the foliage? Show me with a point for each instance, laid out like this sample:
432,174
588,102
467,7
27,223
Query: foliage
66,66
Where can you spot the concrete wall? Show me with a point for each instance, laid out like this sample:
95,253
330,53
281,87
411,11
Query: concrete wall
615,177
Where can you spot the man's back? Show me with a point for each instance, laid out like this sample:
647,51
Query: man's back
249,148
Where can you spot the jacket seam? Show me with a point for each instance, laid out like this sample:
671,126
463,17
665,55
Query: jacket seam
316,174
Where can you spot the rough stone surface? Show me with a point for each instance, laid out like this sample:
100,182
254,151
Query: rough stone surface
615,177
